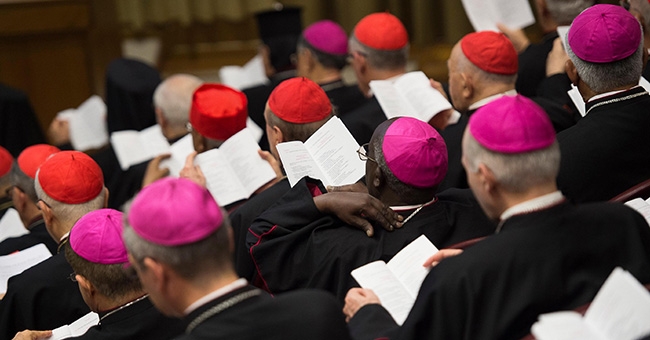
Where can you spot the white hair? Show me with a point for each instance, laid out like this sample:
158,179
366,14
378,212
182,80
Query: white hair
174,97
69,213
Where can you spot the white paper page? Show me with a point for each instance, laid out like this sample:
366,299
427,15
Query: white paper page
255,72
427,101
255,130
88,129
179,152
232,76
221,179
390,100
11,225
640,205
335,151
77,328
621,308
577,100
485,14
128,149
153,141
562,33
407,264
16,263
241,151
298,163
565,325
66,114
391,293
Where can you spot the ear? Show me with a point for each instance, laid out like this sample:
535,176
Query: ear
486,178
86,285
362,62
379,179
106,193
19,197
278,135
160,118
468,86
48,217
158,273
572,72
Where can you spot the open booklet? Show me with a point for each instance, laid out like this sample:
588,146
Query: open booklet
16,263
75,329
87,124
11,225
330,154
620,310
485,14
243,77
397,282
577,100
411,95
235,170
642,206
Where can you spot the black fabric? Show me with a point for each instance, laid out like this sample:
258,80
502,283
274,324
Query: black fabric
41,297
545,261
295,246
19,126
555,88
344,98
140,320
5,203
37,234
532,65
297,315
608,151
363,121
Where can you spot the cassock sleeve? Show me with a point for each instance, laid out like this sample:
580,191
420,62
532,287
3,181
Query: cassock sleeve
372,322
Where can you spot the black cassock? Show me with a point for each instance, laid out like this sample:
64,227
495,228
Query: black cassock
363,120
37,234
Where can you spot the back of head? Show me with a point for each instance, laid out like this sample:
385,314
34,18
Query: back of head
27,164
177,222
129,91
490,56
174,97
71,184
563,12
97,253
515,139
382,39
605,43
298,107
218,111
327,42
279,30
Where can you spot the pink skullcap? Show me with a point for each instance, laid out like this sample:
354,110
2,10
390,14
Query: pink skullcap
173,212
381,31
512,124
97,237
327,36
71,177
33,157
490,51
604,34
6,160
415,153
218,111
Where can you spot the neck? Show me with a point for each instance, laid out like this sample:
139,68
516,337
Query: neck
390,198
511,199
324,75
202,287
105,304
587,93
491,90
30,214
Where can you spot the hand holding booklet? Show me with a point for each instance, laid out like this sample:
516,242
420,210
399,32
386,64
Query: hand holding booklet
398,282
77,328
251,74
132,147
485,14
87,124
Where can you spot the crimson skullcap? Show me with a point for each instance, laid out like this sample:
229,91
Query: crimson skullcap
299,101
33,157
512,124
71,177
173,212
415,152
6,160
490,51
97,237
218,111
604,34
381,31
327,36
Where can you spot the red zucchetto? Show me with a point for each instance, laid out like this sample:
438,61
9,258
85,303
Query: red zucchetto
490,51
218,111
381,31
299,101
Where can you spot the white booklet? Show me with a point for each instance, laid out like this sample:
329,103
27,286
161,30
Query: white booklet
642,206
178,155
485,14
235,170
75,329
132,147
330,154
16,263
411,95
620,311
251,74
397,282
11,225
87,124
577,100
562,33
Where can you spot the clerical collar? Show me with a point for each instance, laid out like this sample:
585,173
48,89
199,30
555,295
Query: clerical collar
491,98
535,204
417,208
614,97
104,315
332,85
607,94
240,283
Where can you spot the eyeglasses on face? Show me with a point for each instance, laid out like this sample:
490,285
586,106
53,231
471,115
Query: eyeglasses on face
363,153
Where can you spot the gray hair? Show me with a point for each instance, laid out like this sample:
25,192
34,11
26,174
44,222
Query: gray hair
563,11
22,181
174,97
515,172
294,131
380,59
328,60
604,77
482,77
69,213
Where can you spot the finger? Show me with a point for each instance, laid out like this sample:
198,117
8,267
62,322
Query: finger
363,225
341,188
189,161
377,212
164,172
441,255
503,28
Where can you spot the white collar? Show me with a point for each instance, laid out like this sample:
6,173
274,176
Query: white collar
537,203
491,98
215,294
607,94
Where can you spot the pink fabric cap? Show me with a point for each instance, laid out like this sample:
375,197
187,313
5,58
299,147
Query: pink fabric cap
327,36
415,152
174,211
97,237
604,34
512,124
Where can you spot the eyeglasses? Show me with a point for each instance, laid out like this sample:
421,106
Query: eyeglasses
363,153
73,277
350,58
